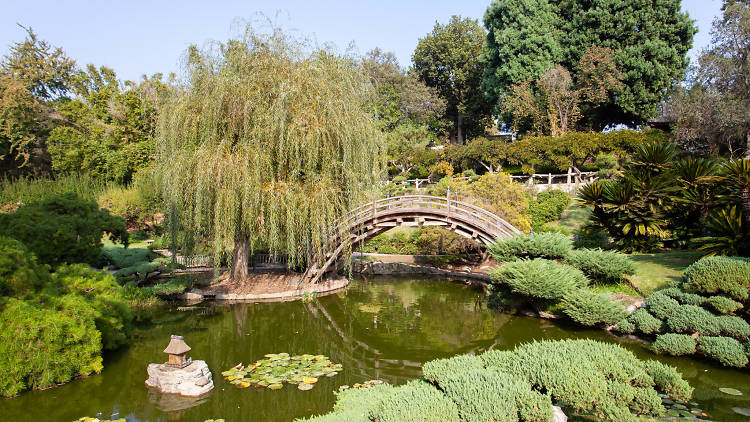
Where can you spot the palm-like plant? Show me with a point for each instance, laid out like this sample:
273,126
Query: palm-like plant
737,173
727,234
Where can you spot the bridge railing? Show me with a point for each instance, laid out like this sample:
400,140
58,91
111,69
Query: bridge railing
492,225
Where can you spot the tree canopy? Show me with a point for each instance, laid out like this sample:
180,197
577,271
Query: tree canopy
649,40
268,144
448,60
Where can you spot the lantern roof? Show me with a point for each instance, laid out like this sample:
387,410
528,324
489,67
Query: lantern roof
177,346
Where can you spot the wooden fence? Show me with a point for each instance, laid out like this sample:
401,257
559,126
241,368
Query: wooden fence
206,261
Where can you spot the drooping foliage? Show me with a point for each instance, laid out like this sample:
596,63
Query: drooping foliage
267,145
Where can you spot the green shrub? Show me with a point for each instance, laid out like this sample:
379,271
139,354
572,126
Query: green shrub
589,309
415,401
661,305
548,206
26,190
439,369
589,236
645,322
136,204
20,273
668,380
586,374
599,265
47,342
625,326
726,350
535,245
723,304
62,229
600,379
491,395
689,298
719,274
693,319
674,344
733,326
105,296
539,278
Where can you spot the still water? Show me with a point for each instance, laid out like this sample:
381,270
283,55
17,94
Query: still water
381,328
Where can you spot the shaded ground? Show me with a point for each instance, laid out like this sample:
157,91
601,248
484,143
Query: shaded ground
654,271
574,216
269,281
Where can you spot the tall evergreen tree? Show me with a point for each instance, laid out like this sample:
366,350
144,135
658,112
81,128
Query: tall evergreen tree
448,59
650,40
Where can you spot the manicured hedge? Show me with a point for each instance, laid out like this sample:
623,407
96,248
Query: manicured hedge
417,401
723,304
726,350
590,377
536,245
602,266
548,206
733,326
691,318
674,344
644,322
719,274
589,309
661,305
539,278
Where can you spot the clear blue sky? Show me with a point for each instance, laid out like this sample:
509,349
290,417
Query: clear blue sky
137,37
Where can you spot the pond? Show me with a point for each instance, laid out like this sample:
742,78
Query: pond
382,328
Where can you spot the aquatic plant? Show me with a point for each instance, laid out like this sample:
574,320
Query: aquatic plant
277,369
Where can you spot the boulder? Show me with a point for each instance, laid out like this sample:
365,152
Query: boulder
558,415
191,381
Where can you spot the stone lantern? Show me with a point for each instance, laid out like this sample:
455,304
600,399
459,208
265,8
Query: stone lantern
177,350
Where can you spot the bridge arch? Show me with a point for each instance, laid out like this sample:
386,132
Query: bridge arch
374,218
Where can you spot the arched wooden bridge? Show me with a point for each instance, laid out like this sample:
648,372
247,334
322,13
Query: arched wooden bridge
376,217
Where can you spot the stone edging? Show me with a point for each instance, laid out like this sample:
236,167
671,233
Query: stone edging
328,286
398,268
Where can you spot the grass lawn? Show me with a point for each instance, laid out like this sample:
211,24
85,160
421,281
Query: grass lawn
573,217
654,271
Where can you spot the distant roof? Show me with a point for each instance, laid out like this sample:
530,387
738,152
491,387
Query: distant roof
177,346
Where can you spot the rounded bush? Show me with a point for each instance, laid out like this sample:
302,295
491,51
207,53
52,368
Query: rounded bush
733,326
661,305
625,326
416,401
726,350
589,309
723,304
645,322
719,274
539,278
674,344
689,298
691,318
599,265
536,245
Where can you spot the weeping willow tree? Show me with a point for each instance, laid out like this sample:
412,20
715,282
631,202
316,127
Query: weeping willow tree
268,144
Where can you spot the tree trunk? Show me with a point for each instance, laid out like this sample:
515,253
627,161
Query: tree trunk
241,258
747,146
460,129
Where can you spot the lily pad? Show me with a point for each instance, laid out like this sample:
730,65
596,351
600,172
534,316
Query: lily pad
278,368
730,391
741,411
